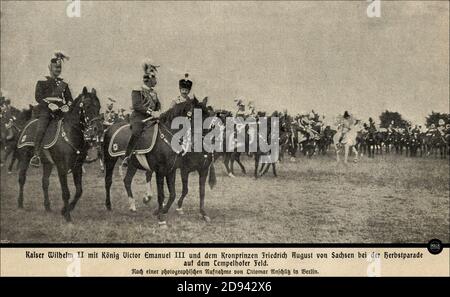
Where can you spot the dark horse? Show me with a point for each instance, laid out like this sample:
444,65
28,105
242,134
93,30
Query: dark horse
12,123
67,154
164,161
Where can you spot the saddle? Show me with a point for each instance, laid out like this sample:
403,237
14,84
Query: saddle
27,136
119,140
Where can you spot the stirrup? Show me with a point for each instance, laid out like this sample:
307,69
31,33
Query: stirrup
125,161
35,161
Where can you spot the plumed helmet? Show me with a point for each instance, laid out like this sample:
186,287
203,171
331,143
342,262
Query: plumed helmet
59,58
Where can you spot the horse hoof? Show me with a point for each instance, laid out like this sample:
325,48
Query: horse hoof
206,219
132,209
67,217
162,224
180,211
147,199
231,175
9,172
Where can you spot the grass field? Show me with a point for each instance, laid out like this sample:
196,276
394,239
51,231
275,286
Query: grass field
389,199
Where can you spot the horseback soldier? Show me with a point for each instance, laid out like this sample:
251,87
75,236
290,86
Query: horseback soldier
240,108
110,114
145,105
391,127
372,127
185,86
441,127
345,126
431,130
53,96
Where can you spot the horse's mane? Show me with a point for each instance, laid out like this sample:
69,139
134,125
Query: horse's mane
174,111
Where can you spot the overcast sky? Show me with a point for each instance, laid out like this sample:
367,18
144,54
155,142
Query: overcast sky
326,56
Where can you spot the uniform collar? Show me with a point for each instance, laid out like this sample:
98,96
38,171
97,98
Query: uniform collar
52,78
145,87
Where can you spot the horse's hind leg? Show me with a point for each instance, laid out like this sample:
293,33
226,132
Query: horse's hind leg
170,179
226,161
238,160
131,171
184,190
23,167
78,181
46,172
274,169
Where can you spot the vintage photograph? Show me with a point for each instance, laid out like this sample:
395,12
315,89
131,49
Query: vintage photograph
224,122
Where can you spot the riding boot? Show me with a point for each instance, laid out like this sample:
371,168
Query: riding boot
130,149
36,160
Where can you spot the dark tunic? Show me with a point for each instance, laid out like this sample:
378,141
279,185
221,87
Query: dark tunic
143,101
51,88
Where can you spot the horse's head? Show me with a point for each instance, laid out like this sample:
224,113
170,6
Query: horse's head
87,107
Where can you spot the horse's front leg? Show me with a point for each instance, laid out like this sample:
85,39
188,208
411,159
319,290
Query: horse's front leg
148,187
78,181
109,167
128,179
46,172
346,150
13,159
62,174
356,154
160,192
184,190
202,182
336,148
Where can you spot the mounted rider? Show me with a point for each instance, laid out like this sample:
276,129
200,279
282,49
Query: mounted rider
240,112
431,130
110,114
372,127
145,104
185,86
53,96
345,125
441,128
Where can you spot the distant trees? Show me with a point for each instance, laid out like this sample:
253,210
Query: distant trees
434,118
387,117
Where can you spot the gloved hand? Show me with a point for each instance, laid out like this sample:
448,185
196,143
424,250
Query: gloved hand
64,108
53,106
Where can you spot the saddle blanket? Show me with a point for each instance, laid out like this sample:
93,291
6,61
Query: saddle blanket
119,140
27,136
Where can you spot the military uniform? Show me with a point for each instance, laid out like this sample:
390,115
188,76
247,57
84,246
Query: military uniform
183,84
144,102
51,87
110,117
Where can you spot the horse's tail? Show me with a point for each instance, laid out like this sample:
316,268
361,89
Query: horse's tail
212,181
